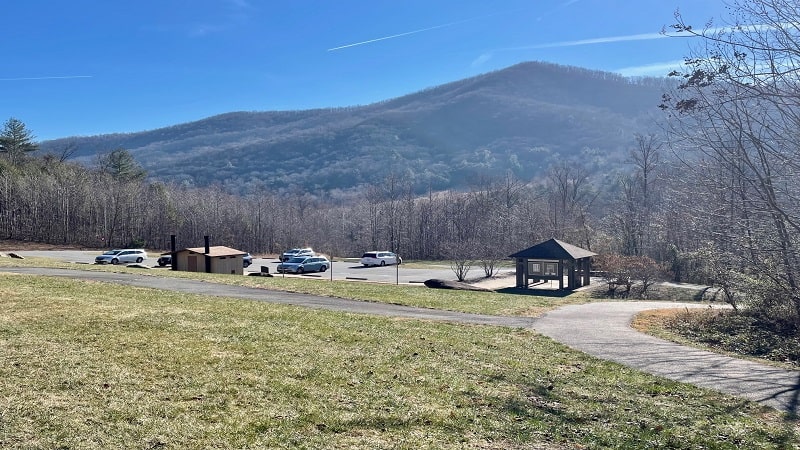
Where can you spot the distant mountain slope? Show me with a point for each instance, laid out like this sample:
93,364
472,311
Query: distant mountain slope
521,118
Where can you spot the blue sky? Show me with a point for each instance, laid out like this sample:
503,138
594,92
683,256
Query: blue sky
85,67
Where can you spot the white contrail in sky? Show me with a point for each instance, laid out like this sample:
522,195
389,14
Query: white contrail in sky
422,30
641,37
603,40
394,36
67,77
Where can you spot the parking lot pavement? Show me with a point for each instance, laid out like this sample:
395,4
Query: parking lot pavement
349,270
340,269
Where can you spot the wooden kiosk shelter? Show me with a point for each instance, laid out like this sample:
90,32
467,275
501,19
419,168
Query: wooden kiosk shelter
553,260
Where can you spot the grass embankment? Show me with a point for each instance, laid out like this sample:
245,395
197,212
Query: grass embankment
92,365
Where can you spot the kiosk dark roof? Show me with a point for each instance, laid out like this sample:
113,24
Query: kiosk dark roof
553,249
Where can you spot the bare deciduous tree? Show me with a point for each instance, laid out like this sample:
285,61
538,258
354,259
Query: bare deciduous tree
621,271
734,122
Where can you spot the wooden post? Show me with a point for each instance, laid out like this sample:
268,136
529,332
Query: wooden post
522,273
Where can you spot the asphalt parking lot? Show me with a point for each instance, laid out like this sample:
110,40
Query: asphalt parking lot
352,270
340,269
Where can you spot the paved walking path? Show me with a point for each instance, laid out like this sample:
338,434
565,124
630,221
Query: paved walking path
603,330
599,329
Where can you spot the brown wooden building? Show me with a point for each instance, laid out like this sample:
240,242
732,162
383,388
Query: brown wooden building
217,259
553,260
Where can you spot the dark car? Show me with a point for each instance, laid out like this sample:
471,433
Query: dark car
165,260
247,259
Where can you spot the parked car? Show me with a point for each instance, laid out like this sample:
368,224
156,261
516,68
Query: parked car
380,259
295,252
164,260
117,256
303,264
247,259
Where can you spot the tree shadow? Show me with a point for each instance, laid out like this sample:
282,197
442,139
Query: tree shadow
535,292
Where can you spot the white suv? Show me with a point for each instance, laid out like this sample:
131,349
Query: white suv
380,259
295,252
127,255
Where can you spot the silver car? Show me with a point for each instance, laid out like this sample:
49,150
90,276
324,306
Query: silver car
122,256
295,253
303,264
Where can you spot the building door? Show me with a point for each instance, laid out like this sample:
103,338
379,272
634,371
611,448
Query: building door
192,263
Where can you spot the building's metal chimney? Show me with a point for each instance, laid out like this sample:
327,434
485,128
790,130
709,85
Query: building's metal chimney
208,257
173,251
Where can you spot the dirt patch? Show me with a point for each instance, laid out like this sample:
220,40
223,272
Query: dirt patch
647,321
504,280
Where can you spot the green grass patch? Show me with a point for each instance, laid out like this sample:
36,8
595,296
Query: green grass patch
93,365
409,295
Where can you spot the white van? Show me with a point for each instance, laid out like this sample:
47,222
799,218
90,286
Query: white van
380,258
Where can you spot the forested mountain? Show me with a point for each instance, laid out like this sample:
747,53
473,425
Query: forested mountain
506,159
520,119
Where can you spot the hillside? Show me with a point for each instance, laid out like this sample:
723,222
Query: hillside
521,119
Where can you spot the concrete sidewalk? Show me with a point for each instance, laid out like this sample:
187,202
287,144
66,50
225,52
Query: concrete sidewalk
603,330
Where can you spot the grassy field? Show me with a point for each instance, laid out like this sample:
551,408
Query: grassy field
91,365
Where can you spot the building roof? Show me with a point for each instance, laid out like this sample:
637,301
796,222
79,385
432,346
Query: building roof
217,250
553,249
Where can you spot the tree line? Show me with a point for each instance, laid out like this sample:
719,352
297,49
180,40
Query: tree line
111,203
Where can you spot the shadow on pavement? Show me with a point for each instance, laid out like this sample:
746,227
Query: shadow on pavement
535,292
